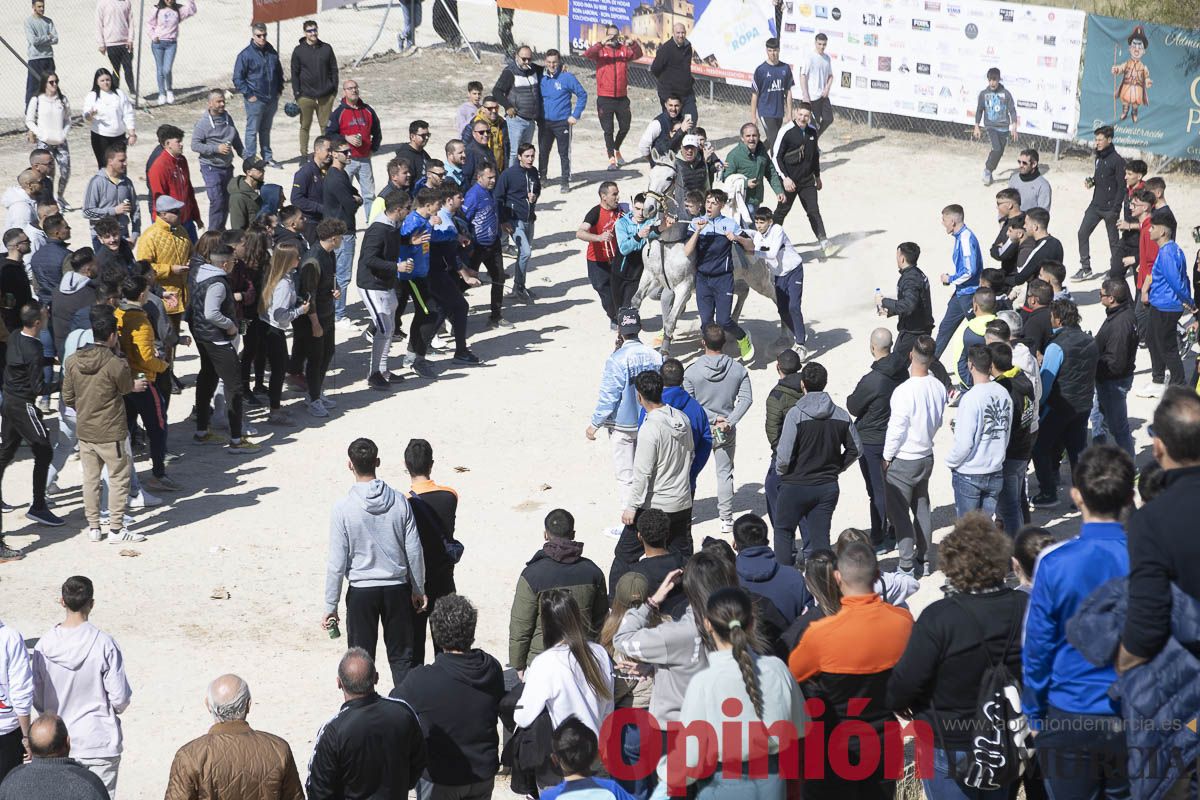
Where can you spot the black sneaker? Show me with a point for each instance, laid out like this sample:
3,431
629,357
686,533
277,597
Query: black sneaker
466,357
45,516
393,377
260,389
422,368
497,321
9,554
377,381
1044,500
1084,273
566,186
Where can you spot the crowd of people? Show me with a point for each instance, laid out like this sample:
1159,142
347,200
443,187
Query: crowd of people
679,637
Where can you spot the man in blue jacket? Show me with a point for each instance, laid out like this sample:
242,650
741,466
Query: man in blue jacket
558,87
258,75
1168,293
480,210
1081,741
968,261
759,572
617,407
516,194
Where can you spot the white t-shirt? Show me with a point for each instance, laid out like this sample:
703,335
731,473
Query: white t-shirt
776,249
816,70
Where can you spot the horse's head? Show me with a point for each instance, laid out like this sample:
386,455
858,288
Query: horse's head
658,188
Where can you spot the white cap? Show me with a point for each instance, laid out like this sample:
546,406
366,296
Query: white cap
691,140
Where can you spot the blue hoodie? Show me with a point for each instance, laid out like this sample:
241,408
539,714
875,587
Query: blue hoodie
479,207
784,586
556,96
415,224
677,397
1169,287
617,404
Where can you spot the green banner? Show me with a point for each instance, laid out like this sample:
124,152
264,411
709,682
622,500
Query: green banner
1144,80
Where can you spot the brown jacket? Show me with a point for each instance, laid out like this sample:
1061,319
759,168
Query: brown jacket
95,382
234,762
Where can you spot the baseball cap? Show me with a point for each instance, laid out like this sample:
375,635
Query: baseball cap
691,140
253,162
166,203
629,321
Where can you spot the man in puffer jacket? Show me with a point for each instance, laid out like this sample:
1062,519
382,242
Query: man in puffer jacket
518,90
779,402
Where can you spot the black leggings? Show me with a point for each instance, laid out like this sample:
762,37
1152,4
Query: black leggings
319,352
275,346
610,108
254,352
101,143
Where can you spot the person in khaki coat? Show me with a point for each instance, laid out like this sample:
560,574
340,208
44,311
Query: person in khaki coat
233,761
95,382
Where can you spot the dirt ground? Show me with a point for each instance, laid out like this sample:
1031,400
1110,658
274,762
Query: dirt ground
509,436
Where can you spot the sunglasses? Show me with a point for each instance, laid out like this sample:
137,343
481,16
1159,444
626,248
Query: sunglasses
525,59
343,153
481,133
52,83
424,135
310,30
436,174
491,108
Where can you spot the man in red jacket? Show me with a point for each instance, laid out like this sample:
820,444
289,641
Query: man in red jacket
167,173
612,57
357,123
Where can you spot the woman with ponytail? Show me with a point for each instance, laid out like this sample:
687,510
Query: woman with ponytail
739,686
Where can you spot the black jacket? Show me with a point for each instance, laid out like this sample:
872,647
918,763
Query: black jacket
818,442
526,98
15,291
656,568
378,255
1048,249
23,369
1020,438
1163,550
372,750
943,665
797,155
871,401
1003,250
122,257
314,71
318,278
341,201
282,234
439,567
1075,382
49,265
1109,175
1035,328
477,157
672,68
417,160
308,191
457,699
1117,341
913,303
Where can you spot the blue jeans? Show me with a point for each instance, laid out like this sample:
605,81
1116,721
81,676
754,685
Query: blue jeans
957,309
714,301
520,131
1110,413
944,786
789,290
216,186
345,271
1012,489
1083,756
259,115
164,62
410,20
976,492
360,168
523,236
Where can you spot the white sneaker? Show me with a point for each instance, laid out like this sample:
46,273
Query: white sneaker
316,409
161,101
170,97
726,527
801,351
95,535
614,532
249,430
328,402
1151,390
144,499
125,536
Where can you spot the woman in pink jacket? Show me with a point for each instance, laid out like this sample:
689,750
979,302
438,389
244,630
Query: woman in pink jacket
163,29
114,36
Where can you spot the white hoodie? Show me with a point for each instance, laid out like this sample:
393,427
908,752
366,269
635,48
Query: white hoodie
79,674
662,462
16,681
48,118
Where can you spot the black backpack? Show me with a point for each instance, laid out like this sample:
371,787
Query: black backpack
1001,748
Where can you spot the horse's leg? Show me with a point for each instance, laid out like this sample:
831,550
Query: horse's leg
741,290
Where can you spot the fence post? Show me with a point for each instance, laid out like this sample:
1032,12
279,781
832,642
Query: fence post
710,91
277,44
1057,149
137,73
869,118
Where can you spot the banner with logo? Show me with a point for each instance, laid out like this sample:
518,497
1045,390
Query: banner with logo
556,7
728,36
1144,80
929,58
279,10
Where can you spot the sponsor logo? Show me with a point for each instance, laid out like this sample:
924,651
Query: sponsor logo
945,92
1059,127
904,67
921,25
806,11
852,39
821,12
922,69
885,64
933,5
905,105
923,90
872,20
885,85
972,30
870,40
927,108
836,13
1049,62
1050,41
860,82
1006,15
847,80
953,11
1027,104
789,27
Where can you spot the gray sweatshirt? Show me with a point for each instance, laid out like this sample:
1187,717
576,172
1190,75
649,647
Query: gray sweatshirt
213,299
41,36
101,197
662,462
283,307
373,541
981,430
721,385
674,648
212,132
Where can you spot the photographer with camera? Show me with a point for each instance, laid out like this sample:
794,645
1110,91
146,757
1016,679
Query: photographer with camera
612,57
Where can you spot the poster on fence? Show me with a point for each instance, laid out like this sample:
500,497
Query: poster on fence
1144,80
929,58
279,10
728,36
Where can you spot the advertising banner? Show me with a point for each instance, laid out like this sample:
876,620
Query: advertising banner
279,10
1144,80
929,58
556,7
728,36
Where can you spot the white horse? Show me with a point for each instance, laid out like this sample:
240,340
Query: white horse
669,268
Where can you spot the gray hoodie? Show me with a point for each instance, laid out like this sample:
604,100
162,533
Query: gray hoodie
673,647
102,196
721,385
373,541
79,674
662,462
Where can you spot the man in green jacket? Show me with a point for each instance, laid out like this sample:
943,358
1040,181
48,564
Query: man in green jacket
750,157
779,403
244,197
